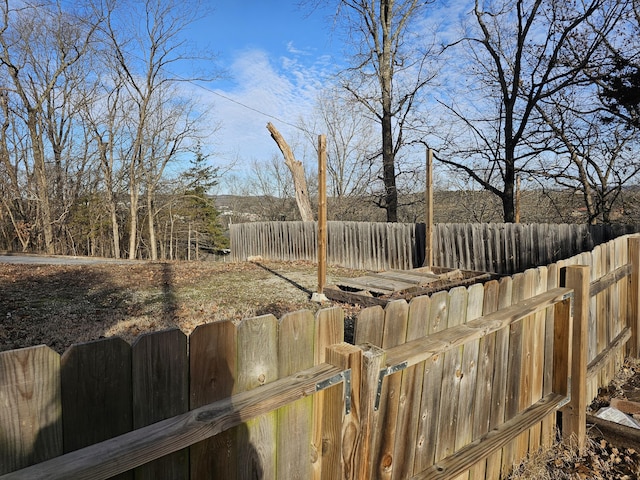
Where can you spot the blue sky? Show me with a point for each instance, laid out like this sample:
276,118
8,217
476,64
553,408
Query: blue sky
276,57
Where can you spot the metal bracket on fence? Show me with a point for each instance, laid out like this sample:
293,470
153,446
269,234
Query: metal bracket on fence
383,373
342,377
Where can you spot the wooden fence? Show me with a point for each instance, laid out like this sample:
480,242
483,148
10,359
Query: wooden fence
504,248
463,381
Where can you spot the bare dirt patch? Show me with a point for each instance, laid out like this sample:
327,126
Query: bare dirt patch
59,305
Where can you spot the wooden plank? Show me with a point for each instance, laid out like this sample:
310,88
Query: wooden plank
422,273
213,372
634,296
396,317
484,379
537,354
573,416
410,393
468,373
295,422
375,283
407,278
369,326
160,378
362,298
96,393
328,330
31,415
420,350
596,364
132,449
514,371
616,434
369,284
257,366
373,359
495,439
346,357
623,303
430,395
548,432
501,364
611,278
451,378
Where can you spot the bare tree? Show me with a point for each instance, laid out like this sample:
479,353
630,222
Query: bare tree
39,46
144,60
351,165
273,184
390,67
521,53
594,156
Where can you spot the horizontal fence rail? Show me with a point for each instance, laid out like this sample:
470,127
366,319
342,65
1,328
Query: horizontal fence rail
503,248
465,380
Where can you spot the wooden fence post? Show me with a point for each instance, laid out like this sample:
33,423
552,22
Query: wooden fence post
574,415
348,357
634,296
373,359
322,212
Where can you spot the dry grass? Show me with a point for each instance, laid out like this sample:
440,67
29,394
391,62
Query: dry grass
600,460
61,305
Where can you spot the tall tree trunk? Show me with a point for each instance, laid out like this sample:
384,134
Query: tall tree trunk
297,172
115,229
151,225
42,183
133,220
386,76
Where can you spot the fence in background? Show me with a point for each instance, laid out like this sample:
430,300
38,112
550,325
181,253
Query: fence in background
504,248
465,380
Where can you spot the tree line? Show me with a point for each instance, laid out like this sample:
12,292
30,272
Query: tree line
92,121
543,92
103,151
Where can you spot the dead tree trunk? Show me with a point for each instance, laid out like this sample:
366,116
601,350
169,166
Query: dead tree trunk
297,172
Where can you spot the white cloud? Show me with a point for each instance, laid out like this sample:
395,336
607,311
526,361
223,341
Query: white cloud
263,89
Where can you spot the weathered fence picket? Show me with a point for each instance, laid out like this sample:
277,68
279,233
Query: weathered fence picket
498,248
160,380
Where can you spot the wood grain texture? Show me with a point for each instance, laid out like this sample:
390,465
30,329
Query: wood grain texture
484,379
373,359
574,415
500,248
369,326
346,357
213,372
634,296
295,421
468,374
96,393
451,378
160,378
257,366
430,395
481,448
30,407
396,317
328,330
132,449
410,393
505,295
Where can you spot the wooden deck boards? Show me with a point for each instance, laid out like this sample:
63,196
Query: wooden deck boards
380,288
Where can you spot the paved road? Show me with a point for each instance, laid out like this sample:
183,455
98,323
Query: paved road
57,260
